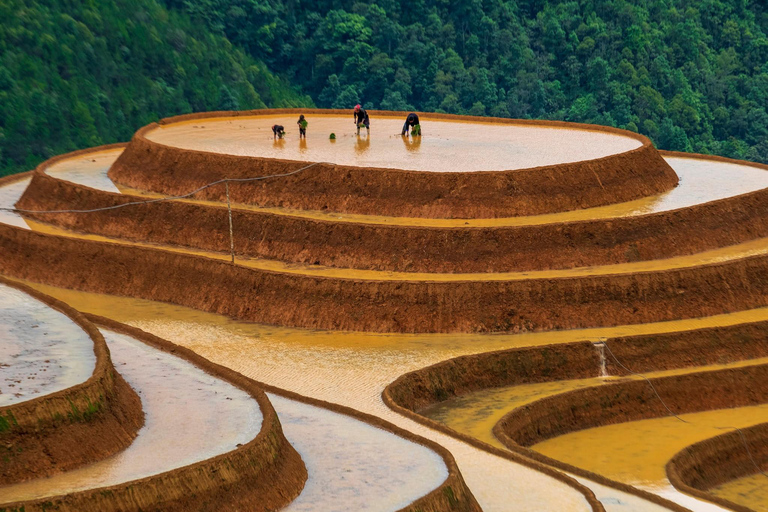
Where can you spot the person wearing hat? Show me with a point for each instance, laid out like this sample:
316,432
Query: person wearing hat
412,122
361,119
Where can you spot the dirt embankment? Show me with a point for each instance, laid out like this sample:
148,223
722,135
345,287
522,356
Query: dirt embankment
403,248
263,475
717,460
147,165
632,401
417,390
465,374
383,306
73,427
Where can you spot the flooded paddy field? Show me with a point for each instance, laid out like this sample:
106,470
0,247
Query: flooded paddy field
184,408
750,491
352,465
701,181
637,452
339,367
42,351
444,147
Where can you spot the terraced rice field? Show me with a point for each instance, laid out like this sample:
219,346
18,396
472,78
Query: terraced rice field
373,360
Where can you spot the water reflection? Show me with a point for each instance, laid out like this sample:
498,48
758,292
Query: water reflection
451,145
41,350
411,144
362,144
189,416
302,145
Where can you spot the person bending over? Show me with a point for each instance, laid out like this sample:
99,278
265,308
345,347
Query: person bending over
361,119
412,122
302,126
278,131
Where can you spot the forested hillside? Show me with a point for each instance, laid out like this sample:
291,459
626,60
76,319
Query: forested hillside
691,74
77,73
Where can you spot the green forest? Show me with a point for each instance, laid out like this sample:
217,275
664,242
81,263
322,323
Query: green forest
690,74
79,73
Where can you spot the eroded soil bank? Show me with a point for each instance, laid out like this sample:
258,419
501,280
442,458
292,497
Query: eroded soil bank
409,248
186,457
57,430
149,165
725,468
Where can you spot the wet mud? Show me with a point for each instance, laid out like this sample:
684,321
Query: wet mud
729,469
337,367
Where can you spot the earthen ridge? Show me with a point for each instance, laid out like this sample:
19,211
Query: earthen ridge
72,427
384,306
422,388
264,474
406,248
620,402
148,165
714,461
452,495
531,459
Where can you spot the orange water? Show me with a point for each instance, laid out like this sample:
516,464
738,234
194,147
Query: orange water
750,491
446,146
637,452
352,369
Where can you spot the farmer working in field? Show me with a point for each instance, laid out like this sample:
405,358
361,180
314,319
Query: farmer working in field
278,131
361,119
412,122
302,126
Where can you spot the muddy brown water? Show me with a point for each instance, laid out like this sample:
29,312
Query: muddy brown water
477,413
637,452
338,366
353,368
42,351
445,146
750,491
91,171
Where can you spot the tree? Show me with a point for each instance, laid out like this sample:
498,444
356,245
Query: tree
227,100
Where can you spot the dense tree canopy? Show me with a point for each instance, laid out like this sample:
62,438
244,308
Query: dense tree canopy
691,74
78,73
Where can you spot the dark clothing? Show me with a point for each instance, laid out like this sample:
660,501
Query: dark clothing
361,117
302,126
411,121
278,130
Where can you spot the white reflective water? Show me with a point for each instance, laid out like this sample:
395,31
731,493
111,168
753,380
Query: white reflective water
42,351
446,146
89,169
9,194
701,181
189,416
353,465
